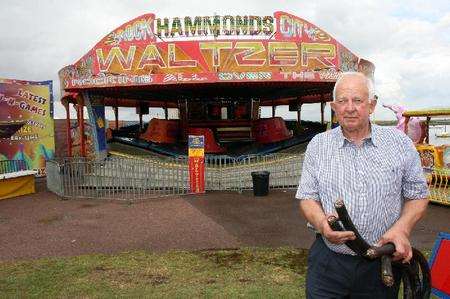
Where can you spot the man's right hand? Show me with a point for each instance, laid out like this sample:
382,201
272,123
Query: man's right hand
335,237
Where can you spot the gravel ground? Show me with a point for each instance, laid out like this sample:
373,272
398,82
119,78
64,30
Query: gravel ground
42,225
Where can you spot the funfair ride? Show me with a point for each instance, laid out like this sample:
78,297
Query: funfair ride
435,158
215,72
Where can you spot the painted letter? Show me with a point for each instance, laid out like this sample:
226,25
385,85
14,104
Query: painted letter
172,62
215,47
322,53
251,49
115,52
151,56
283,53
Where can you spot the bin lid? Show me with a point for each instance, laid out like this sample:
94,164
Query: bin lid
260,173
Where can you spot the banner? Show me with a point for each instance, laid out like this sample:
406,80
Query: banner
96,112
151,50
26,122
196,154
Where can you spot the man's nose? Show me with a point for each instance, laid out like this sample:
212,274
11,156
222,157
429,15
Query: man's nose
350,106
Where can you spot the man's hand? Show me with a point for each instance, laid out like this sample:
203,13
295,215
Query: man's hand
332,236
400,238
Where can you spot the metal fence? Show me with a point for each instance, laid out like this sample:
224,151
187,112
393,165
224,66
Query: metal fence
439,184
119,177
8,166
139,178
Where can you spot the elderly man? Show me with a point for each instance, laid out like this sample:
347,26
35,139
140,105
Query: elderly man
377,172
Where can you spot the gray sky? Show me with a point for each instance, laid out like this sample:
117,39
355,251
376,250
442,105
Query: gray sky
408,41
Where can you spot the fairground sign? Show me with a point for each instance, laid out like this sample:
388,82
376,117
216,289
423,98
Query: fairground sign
204,49
29,104
196,154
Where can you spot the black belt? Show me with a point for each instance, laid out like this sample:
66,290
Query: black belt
415,275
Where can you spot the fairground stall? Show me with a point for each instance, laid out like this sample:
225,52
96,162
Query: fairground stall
435,155
211,75
26,134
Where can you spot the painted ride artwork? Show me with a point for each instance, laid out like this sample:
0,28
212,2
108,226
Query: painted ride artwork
435,157
211,75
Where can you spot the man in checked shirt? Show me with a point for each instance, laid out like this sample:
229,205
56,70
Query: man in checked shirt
377,172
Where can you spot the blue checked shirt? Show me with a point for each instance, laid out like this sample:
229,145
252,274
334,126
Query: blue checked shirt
374,179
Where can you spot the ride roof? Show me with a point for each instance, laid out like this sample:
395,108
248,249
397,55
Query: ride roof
265,57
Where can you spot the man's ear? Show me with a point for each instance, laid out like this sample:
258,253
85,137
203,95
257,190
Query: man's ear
373,104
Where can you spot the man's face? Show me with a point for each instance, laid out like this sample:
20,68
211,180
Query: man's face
352,105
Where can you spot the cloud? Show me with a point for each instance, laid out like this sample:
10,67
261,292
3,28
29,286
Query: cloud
408,41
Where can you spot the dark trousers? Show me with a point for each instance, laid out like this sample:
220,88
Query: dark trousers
334,275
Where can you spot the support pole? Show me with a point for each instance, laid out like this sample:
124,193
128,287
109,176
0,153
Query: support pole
322,110
184,121
116,116
273,109
299,113
166,111
68,136
82,132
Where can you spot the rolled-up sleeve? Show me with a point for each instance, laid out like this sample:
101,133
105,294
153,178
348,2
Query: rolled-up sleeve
308,187
414,184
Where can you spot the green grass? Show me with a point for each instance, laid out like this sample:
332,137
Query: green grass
241,273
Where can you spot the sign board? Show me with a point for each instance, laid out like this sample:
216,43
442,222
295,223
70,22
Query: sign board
30,105
196,153
440,266
152,50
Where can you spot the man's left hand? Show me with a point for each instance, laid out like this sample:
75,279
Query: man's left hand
400,238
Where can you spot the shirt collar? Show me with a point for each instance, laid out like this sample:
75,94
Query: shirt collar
371,139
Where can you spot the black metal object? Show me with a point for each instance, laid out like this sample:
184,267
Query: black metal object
416,276
361,245
354,245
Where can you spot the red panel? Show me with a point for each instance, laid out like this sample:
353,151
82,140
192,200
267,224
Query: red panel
197,174
268,130
162,131
211,145
440,270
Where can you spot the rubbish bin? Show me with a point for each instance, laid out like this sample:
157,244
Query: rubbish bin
260,183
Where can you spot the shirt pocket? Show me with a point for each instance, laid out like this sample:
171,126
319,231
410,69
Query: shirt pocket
388,180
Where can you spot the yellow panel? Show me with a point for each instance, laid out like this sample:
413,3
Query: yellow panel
429,156
16,186
439,184
428,112
196,152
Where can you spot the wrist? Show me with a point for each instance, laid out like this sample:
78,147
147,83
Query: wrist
402,229
320,225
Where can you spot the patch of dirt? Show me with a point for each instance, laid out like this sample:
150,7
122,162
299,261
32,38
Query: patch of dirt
223,258
210,281
157,279
88,205
3,219
297,261
51,219
245,280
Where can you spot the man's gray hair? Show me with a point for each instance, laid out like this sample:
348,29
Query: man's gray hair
369,84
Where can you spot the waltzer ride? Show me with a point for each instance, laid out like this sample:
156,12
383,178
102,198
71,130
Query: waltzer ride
211,75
